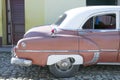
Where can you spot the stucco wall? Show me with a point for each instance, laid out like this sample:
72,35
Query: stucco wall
4,33
41,12
54,8
0,17
34,13
118,2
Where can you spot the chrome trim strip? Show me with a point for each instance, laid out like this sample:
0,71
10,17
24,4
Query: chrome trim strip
108,63
94,59
109,50
97,30
44,51
102,50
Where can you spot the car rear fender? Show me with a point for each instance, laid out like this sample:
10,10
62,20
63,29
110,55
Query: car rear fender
52,59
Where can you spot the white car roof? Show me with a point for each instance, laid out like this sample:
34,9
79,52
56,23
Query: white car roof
76,16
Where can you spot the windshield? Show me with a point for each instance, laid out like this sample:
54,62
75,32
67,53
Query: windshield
60,20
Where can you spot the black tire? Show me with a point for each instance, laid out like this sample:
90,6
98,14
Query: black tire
63,74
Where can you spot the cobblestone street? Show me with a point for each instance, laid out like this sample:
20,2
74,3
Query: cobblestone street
12,72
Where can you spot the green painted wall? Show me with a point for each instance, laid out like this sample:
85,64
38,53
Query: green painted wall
34,13
0,17
4,35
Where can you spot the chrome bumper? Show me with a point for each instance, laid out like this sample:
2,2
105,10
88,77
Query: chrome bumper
21,62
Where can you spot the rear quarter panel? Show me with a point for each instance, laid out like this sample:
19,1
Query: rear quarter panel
41,48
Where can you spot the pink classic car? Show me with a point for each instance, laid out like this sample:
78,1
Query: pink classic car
81,36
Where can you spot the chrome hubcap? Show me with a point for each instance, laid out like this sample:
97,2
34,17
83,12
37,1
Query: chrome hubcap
64,65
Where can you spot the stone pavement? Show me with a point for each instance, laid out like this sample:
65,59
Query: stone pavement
12,72
6,48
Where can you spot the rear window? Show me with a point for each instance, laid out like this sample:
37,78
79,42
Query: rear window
60,20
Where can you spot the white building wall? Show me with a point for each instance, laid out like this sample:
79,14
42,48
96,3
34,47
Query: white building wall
54,8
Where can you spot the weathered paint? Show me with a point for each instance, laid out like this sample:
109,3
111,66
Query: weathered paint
4,30
34,13
38,12
54,8
0,17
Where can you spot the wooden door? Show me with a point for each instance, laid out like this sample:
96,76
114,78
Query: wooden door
15,21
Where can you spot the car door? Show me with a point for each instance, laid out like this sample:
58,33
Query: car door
99,38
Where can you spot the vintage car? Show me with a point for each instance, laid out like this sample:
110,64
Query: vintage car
81,36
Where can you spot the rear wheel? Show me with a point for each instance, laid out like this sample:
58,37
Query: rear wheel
64,68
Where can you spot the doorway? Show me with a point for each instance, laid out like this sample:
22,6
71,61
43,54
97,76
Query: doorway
15,20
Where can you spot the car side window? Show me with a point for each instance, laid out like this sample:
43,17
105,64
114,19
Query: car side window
107,21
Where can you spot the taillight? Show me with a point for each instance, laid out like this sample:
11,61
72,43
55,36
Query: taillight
53,30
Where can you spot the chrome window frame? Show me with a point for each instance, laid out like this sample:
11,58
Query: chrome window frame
102,13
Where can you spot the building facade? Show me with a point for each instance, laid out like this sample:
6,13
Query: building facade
18,16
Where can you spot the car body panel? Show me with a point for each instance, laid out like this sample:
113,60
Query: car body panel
39,54
107,44
70,38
